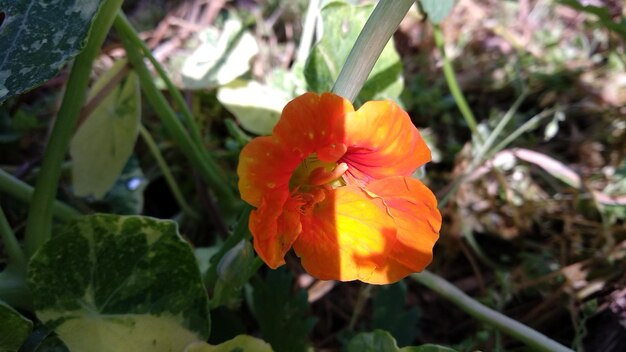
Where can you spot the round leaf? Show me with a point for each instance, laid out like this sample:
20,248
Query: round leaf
120,283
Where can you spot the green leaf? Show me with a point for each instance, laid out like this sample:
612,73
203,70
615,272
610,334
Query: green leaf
257,107
120,283
14,328
382,341
221,57
104,142
437,10
38,37
390,314
281,315
377,341
241,343
342,23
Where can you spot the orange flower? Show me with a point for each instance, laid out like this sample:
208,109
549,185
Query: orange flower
335,184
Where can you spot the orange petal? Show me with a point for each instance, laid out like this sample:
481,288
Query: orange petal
414,208
382,141
275,225
264,166
311,122
346,236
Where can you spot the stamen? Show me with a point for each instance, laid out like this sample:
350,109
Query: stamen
321,176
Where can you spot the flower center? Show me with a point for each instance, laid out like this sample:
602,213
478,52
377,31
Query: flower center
313,172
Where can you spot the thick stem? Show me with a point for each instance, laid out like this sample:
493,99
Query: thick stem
377,31
39,221
206,166
532,338
123,26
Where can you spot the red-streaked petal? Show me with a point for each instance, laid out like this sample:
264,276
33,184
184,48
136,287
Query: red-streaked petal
346,236
311,122
265,165
275,225
382,141
414,208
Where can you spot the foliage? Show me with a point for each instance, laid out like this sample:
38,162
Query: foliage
35,48
280,314
533,195
134,284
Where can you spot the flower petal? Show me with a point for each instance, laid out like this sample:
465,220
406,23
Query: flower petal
264,166
275,225
414,208
311,122
346,236
382,141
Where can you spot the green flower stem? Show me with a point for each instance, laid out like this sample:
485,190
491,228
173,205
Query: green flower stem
532,338
169,178
39,222
377,31
125,28
16,256
453,84
201,161
19,190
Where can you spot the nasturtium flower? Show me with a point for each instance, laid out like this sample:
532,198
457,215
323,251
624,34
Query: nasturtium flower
335,184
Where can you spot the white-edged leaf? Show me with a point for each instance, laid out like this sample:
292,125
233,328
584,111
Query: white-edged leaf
107,283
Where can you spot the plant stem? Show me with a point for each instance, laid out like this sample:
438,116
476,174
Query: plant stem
201,161
532,338
306,39
377,31
123,26
527,126
453,85
14,290
169,178
16,256
15,188
39,222
364,294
